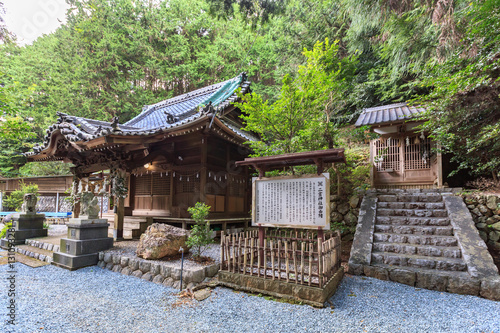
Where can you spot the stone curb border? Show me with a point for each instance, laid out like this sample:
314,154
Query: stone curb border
155,272
40,245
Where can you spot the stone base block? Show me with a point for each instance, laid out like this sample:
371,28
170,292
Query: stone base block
72,262
431,281
376,272
29,221
403,276
85,220
87,246
464,285
4,243
490,289
24,234
88,231
297,292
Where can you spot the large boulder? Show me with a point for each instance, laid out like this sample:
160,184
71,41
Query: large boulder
161,240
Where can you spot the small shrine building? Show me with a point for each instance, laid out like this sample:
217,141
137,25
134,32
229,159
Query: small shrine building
402,156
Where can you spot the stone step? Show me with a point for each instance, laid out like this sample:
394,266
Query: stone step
451,274
445,190
412,212
413,220
128,233
420,197
416,261
132,225
131,233
415,239
414,229
421,250
36,252
411,205
42,245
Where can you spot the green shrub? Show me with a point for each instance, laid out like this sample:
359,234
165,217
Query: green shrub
6,227
14,201
355,174
199,238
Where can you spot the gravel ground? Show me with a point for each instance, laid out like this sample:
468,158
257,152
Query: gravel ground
50,299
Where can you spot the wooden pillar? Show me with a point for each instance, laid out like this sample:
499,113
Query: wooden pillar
226,193
372,163
402,156
262,237
203,169
76,205
439,161
119,211
119,217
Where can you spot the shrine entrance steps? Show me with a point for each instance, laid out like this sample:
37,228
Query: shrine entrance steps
422,238
133,226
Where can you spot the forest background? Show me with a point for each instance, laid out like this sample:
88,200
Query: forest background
314,65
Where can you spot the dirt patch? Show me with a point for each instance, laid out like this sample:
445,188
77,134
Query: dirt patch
495,253
345,254
202,260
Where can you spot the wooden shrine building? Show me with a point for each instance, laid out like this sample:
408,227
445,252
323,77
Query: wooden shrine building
173,154
402,157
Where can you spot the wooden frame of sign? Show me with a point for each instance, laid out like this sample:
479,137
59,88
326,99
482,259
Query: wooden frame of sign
292,201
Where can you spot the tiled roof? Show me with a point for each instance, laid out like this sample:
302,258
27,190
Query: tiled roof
388,113
156,118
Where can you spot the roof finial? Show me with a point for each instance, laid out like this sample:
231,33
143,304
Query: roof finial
114,125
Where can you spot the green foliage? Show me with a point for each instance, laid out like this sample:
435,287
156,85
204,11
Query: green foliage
465,97
33,169
14,201
310,108
5,228
355,174
254,11
112,57
200,234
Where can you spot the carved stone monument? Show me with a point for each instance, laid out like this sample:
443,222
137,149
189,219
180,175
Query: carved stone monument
87,236
27,224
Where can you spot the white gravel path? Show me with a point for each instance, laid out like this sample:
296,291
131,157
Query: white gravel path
50,299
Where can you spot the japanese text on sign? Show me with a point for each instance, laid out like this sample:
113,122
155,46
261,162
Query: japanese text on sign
294,202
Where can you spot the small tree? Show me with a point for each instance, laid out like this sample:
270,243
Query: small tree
15,200
199,238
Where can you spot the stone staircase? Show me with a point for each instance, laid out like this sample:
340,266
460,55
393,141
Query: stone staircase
415,231
133,226
423,238
38,250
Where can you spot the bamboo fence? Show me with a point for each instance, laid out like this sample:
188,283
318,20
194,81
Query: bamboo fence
291,255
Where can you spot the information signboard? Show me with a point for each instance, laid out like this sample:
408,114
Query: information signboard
292,201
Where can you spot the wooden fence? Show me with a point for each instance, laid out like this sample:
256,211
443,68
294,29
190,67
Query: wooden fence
295,256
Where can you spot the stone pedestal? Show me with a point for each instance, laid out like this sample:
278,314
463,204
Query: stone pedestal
86,237
26,226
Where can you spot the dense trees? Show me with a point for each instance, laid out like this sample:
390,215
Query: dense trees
114,56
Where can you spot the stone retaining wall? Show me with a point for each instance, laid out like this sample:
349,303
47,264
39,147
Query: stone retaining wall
344,214
160,273
485,211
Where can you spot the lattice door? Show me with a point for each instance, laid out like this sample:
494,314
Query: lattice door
417,153
387,155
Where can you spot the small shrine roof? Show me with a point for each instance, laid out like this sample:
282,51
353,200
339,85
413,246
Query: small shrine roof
388,114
